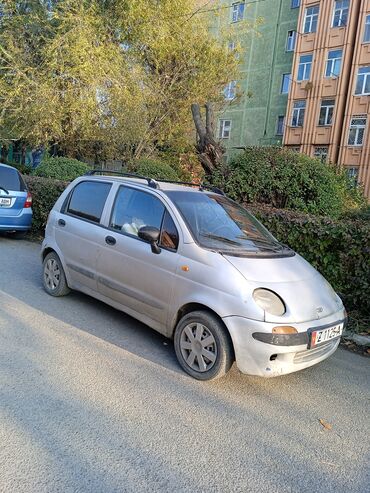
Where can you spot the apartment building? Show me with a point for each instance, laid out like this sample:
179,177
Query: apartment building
257,116
328,106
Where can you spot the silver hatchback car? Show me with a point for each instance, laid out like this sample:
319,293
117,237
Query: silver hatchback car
195,266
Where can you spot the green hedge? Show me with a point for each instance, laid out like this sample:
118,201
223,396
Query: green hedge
61,168
288,180
45,192
339,249
155,169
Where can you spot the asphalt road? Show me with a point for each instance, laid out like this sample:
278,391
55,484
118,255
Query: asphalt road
93,401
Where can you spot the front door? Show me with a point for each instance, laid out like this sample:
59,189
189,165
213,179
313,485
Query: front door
128,271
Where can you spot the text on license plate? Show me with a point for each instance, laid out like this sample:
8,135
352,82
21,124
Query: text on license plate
323,335
5,202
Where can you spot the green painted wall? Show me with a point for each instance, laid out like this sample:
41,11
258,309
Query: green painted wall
263,63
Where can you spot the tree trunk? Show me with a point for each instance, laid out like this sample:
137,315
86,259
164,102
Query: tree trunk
210,152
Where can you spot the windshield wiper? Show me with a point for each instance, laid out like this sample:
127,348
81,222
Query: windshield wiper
220,238
5,190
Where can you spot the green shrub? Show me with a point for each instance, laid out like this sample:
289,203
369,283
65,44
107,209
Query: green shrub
61,168
339,249
155,169
45,192
286,179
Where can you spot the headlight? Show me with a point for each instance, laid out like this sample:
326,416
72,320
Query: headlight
269,301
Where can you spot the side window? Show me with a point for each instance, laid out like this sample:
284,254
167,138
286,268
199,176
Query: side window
169,235
134,209
88,199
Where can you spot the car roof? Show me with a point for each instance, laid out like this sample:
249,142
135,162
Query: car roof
153,184
2,165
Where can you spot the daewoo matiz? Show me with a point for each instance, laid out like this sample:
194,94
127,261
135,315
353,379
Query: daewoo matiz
196,267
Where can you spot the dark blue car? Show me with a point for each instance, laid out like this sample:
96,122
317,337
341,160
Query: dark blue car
15,201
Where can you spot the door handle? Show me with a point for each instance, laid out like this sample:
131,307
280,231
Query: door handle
110,240
61,222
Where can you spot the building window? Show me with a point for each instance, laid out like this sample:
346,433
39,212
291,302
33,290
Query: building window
295,4
294,148
334,63
310,19
367,30
363,81
285,83
225,129
280,125
353,173
230,90
304,67
357,130
291,40
298,113
340,16
326,112
321,153
238,11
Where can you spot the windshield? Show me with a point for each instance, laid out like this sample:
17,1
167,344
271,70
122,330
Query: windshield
218,223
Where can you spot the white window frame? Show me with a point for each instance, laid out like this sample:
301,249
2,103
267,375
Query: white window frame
353,173
296,114
237,12
312,17
284,77
291,41
327,109
306,70
365,81
230,91
358,131
224,128
366,38
321,152
333,62
340,9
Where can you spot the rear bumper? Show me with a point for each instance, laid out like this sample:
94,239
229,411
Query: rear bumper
255,357
21,222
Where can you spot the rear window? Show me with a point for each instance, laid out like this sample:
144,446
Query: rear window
11,180
88,199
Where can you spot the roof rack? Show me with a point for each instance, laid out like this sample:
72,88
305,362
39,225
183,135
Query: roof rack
151,183
155,183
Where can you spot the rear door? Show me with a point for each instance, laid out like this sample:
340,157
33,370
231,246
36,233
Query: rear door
13,192
128,271
79,233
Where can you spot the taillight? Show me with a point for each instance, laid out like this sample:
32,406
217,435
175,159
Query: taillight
28,202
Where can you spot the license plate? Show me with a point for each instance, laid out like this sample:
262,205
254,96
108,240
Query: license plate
324,335
5,202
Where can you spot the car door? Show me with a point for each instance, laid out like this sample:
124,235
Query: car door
78,232
128,271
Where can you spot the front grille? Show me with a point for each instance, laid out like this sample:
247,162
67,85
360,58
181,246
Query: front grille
317,352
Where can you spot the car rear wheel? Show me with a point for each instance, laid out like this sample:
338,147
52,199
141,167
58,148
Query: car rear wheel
203,346
54,279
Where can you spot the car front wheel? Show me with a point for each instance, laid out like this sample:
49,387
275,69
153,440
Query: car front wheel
54,279
203,346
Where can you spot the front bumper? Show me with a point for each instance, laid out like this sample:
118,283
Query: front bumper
255,357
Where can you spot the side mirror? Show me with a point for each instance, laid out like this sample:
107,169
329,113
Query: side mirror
151,235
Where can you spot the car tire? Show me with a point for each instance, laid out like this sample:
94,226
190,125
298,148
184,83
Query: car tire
203,346
53,276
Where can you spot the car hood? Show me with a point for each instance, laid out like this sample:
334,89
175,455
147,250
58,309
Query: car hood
306,294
